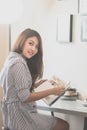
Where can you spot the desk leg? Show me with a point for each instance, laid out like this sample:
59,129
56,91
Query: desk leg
85,123
52,113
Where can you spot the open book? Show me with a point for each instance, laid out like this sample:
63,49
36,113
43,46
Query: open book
49,100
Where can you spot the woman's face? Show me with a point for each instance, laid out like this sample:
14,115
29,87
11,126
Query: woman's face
30,47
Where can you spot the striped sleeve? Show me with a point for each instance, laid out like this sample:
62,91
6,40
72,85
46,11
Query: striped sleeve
21,80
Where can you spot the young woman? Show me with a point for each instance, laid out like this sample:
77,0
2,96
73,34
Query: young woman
22,68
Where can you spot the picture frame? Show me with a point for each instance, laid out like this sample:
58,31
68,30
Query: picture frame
64,28
82,7
84,28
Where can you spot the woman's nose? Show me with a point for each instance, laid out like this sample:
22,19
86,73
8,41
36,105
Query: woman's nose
33,48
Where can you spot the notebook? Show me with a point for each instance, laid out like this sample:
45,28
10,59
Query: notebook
49,100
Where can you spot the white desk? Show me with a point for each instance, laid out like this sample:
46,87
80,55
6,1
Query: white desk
66,107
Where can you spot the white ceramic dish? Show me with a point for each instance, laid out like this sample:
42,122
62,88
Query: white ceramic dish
85,103
69,97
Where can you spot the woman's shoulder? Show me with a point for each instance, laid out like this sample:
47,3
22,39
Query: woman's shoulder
15,58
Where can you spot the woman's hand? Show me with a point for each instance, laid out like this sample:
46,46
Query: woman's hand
58,90
58,87
39,83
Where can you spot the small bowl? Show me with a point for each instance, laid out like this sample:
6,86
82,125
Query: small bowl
71,92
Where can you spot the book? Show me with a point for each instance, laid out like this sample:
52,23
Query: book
49,100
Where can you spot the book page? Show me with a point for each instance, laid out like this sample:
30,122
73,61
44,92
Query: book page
46,85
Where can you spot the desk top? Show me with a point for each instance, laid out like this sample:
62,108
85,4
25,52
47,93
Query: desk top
65,106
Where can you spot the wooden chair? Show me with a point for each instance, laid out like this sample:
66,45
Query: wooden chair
1,96
3,128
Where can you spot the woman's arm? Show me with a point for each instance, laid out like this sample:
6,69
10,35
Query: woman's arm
34,96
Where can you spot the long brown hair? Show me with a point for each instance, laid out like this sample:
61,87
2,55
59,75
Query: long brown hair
35,64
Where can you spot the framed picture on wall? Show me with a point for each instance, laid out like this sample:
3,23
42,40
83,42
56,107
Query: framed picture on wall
84,28
64,28
82,6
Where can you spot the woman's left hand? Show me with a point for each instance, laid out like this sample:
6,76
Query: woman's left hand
39,83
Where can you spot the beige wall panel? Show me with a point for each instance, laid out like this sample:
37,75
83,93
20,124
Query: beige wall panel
4,48
4,43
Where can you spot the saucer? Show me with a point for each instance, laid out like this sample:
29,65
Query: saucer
85,103
64,97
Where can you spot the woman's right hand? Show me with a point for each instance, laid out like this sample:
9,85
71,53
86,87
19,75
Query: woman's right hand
58,90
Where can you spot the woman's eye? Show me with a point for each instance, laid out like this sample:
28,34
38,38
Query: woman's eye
30,43
37,46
